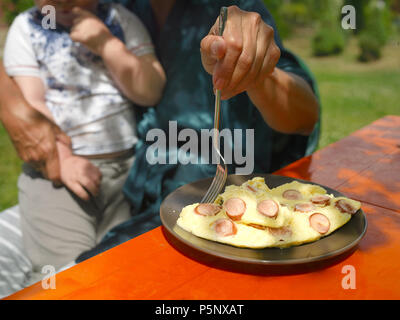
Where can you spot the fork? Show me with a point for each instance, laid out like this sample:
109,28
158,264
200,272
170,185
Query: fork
220,176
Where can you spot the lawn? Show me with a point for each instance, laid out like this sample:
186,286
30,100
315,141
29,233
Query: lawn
9,163
353,95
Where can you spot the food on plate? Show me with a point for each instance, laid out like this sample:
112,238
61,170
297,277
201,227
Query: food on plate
254,216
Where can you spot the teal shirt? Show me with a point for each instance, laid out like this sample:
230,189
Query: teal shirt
188,99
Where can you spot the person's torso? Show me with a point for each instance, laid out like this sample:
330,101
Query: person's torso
80,93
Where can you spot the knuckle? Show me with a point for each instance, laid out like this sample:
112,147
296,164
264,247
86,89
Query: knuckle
47,147
255,18
245,61
234,8
269,30
275,53
234,44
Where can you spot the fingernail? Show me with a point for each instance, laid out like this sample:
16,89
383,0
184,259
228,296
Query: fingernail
214,48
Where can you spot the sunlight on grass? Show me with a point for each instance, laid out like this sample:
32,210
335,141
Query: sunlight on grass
353,94
10,168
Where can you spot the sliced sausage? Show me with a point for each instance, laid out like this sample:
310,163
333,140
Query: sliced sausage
235,208
207,209
225,228
345,206
321,199
292,195
257,226
304,207
268,208
281,232
319,223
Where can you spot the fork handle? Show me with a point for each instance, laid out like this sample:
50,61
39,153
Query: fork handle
223,16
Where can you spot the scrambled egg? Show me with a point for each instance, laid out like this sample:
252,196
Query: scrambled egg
255,216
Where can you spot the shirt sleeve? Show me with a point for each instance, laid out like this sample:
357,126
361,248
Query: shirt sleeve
19,57
137,38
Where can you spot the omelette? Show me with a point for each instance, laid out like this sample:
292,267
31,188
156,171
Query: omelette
254,216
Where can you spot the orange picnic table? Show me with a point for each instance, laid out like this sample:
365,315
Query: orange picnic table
364,166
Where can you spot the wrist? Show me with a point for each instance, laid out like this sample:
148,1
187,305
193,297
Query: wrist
109,46
264,86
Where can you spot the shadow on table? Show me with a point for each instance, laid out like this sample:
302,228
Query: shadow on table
253,269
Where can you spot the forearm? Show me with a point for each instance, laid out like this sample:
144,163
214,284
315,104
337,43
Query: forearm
16,115
13,105
286,102
141,79
64,151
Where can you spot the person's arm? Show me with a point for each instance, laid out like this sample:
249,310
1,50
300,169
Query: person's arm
77,173
33,135
244,59
141,79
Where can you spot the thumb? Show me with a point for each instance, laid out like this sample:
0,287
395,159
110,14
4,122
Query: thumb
212,48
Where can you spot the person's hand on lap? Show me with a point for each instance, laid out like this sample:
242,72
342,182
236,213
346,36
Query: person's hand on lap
80,176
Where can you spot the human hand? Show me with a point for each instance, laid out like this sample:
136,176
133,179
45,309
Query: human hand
89,30
243,57
80,176
34,137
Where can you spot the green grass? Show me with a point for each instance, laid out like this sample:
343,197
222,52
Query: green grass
10,168
353,95
10,165
363,98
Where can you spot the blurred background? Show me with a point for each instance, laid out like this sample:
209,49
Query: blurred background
357,71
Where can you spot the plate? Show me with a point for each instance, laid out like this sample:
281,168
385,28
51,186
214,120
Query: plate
339,243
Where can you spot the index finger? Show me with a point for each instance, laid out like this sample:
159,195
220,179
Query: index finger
212,49
233,37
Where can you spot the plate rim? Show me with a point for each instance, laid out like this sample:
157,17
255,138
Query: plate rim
288,262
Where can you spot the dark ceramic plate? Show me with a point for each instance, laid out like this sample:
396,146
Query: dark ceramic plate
337,243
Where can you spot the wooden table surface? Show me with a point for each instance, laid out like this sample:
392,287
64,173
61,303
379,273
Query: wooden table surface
364,166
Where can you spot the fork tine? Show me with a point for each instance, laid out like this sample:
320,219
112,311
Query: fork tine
212,187
216,185
213,191
210,193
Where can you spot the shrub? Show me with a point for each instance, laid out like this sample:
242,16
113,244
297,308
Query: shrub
328,41
376,32
370,48
274,7
295,14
